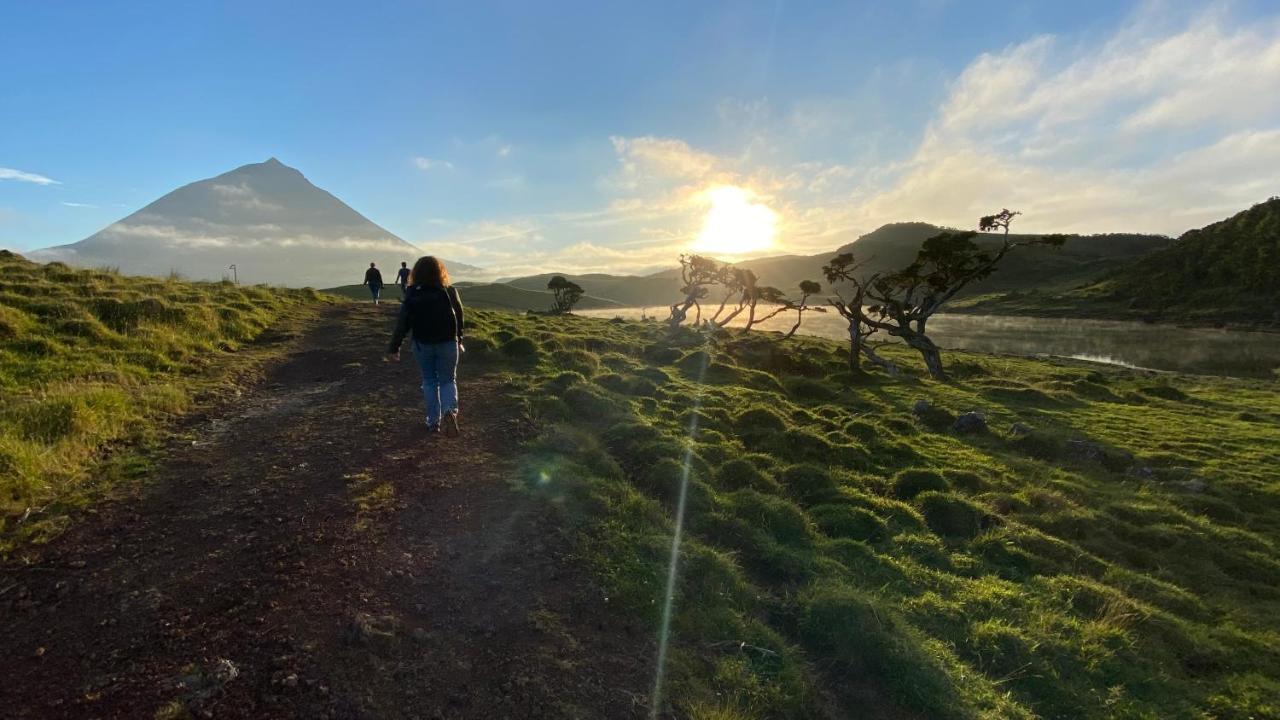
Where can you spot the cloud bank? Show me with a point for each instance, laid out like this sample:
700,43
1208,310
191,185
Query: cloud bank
1157,128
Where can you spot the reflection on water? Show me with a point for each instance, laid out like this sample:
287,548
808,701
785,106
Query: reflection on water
1129,344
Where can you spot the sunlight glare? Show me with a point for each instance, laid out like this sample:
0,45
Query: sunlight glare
735,225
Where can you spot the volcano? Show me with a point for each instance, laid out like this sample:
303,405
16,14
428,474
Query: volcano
266,218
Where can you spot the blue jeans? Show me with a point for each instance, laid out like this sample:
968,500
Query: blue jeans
439,365
375,291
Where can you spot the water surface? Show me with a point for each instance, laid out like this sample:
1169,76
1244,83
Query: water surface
1204,351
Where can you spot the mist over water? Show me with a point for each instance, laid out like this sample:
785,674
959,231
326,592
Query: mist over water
1204,351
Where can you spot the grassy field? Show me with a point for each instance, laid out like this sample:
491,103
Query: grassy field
90,359
1106,548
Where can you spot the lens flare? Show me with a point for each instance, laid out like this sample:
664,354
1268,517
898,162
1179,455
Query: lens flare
676,537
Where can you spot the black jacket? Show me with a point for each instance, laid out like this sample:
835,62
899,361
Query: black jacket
432,313
372,277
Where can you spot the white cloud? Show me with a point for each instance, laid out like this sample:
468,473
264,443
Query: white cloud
425,163
20,176
244,197
1147,132
504,150
79,205
1166,124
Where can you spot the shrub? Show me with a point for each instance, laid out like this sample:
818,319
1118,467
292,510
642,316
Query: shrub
909,483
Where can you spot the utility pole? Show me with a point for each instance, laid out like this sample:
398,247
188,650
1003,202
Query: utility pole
235,277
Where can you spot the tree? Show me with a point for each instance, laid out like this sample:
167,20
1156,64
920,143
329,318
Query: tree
901,302
567,294
770,296
841,270
697,274
807,288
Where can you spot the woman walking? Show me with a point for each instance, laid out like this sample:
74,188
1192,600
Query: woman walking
432,311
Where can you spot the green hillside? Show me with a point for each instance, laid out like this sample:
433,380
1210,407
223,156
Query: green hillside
1227,272
90,358
1106,547
1233,264
495,296
1082,259
626,290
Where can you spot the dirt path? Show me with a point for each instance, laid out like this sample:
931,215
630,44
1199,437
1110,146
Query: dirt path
310,552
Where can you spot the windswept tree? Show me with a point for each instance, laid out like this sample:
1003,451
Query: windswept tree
808,288
902,302
566,294
697,275
843,270
738,285
768,295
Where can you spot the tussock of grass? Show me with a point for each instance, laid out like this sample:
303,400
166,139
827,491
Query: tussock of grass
845,548
90,358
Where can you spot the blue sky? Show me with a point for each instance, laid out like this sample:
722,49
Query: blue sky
579,136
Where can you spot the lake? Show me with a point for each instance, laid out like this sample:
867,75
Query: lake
1204,351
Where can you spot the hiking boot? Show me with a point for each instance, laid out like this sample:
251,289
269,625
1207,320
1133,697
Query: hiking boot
433,429
450,422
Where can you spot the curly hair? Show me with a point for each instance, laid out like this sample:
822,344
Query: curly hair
428,270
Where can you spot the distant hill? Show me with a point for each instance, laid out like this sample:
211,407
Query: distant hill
1224,273
623,290
492,296
1234,263
893,246
1084,258
265,218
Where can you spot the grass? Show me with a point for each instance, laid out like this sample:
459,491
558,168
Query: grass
1114,555
91,360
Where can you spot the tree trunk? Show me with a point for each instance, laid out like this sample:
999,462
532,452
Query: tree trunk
855,345
931,353
794,328
887,365
678,314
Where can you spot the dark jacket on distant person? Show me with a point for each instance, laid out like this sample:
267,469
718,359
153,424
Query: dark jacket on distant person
432,313
372,277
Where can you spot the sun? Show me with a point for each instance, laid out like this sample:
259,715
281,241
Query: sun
734,225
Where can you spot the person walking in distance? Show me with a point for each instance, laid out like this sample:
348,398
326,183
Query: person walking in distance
402,278
373,278
432,312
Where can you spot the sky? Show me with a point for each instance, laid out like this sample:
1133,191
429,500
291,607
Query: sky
610,136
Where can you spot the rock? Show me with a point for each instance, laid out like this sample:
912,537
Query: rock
1020,429
1142,472
970,423
921,408
367,630
1084,450
1194,485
